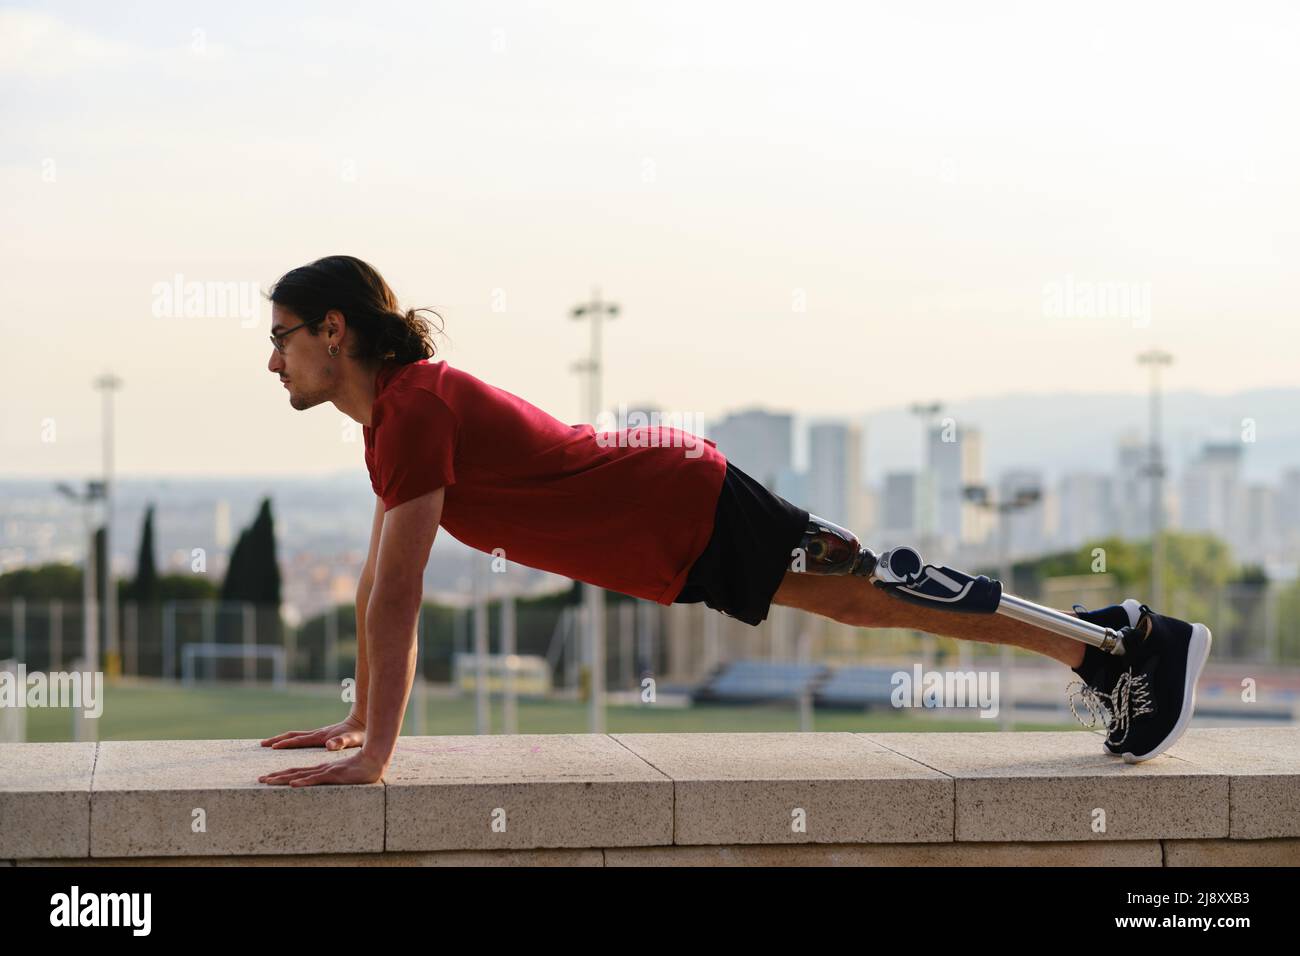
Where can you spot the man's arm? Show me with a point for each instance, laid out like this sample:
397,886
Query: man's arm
351,731
391,616
364,587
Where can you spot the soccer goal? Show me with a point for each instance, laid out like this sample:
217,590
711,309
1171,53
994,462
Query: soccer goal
193,654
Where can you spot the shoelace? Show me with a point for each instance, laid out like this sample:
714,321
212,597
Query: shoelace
1131,698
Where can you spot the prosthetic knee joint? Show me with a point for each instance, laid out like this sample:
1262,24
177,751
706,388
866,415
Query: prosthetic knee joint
826,548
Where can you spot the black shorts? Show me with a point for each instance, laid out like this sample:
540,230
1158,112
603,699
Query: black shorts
754,535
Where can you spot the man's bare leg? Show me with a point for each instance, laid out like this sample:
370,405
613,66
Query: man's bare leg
857,602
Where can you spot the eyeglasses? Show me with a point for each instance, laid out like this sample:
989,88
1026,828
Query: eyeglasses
278,339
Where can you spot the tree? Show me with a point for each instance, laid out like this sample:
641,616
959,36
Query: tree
103,573
235,586
254,573
145,587
1246,595
42,583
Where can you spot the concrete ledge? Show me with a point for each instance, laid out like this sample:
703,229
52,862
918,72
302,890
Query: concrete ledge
1220,797
1063,786
202,798
1263,767
523,791
448,858
1128,853
45,799
1284,852
796,788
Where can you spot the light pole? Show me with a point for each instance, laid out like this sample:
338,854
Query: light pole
482,703
509,708
89,609
108,383
1023,498
1155,360
594,597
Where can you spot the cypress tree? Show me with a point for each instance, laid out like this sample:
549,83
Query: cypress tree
264,588
234,587
145,588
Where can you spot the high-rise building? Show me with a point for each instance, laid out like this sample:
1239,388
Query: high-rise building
1086,509
956,460
834,472
1258,539
1288,512
899,508
1133,486
1213,498
1025,527
760,443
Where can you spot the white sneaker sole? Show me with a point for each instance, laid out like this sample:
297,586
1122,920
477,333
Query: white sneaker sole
1198,651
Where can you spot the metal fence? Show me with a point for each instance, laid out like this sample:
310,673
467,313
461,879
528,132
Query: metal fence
1258,625
246,642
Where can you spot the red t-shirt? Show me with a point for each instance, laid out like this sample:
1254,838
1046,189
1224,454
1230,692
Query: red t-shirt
629,510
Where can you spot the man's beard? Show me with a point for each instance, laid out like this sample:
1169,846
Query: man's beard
303,401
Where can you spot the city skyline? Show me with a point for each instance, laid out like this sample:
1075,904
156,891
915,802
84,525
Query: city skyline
1209,492
1192,419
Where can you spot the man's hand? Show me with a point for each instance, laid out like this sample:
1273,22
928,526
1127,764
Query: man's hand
359,768
350,732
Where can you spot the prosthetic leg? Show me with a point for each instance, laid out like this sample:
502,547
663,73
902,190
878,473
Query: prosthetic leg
826,548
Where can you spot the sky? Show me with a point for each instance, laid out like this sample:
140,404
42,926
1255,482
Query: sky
822,208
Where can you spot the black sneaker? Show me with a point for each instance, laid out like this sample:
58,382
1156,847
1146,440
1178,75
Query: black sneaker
1161,692
1101,672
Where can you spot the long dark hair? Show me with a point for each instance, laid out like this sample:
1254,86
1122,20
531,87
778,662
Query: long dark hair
383,331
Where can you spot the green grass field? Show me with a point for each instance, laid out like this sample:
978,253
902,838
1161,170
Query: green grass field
160,711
